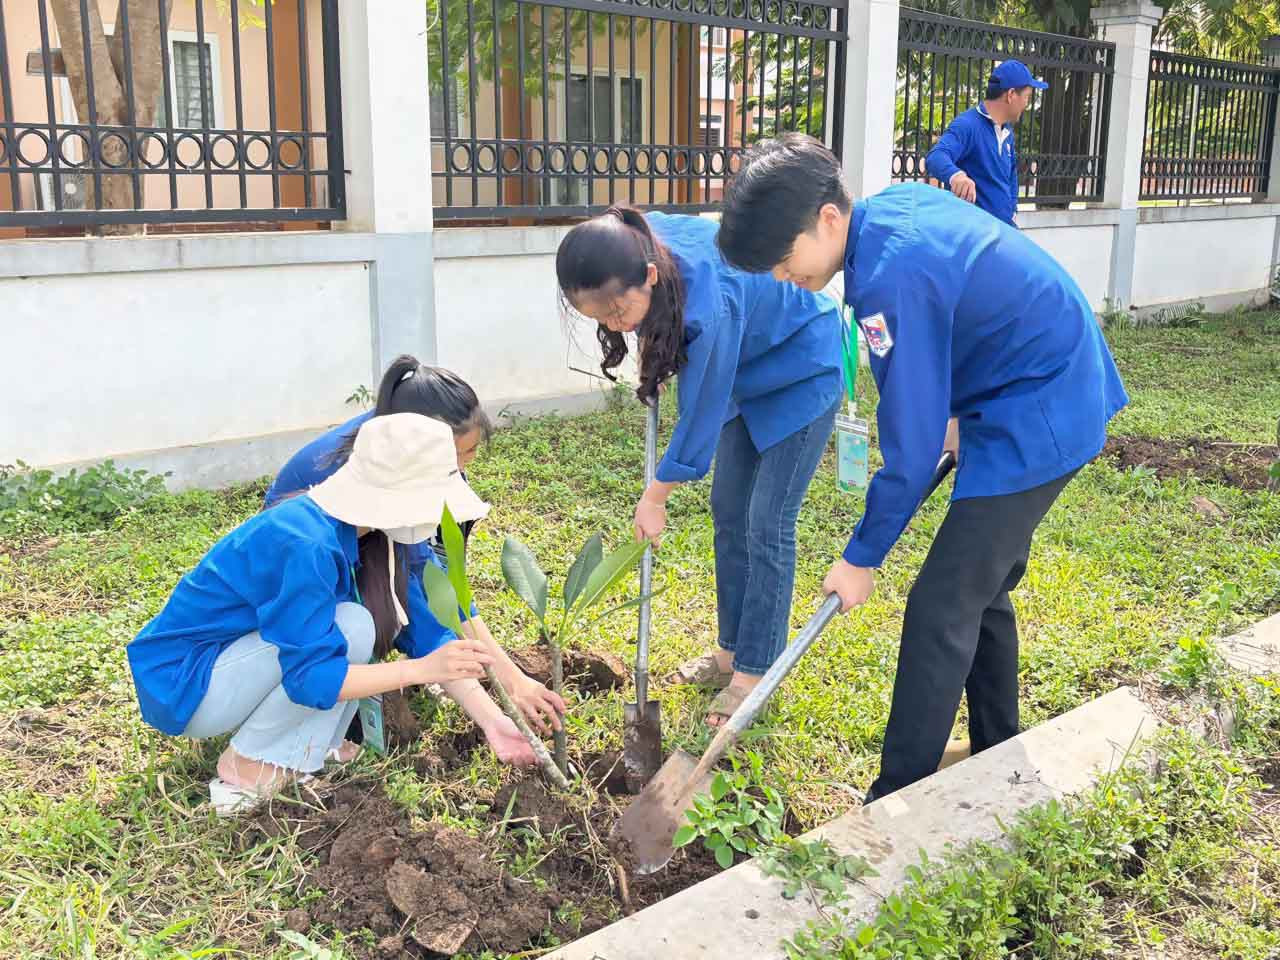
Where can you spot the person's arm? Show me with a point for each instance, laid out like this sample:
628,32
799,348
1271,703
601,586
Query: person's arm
914,378
703,396
462,661
541,706
506,740
943,161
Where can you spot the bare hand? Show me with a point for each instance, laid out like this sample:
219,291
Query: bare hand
854,585
541,706
459,659
508,743
650,520
962,186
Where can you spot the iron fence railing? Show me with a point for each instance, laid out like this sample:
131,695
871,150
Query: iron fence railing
558,109
181,111
943,66
1210,125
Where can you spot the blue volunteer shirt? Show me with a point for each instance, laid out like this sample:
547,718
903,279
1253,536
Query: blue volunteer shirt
765,350
313,464
968,318
281,573
970,144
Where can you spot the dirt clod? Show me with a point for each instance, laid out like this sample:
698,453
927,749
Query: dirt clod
1207,508
588,671
1213,461
426,889
399,722
298,920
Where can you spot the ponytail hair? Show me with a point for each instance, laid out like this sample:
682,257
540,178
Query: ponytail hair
412,387
614,251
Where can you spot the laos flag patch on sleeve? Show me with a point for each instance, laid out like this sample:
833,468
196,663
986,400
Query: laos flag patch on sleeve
876,331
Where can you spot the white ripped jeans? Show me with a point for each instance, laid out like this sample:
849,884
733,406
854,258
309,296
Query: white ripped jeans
245,695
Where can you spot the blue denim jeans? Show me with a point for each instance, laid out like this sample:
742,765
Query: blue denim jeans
245,695
755,498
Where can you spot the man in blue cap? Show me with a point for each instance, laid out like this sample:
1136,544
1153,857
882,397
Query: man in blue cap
975,157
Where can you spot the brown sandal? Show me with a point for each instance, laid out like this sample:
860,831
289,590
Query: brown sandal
725,704
701,671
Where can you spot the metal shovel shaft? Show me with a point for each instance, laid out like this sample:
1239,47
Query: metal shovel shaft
642,720
646,562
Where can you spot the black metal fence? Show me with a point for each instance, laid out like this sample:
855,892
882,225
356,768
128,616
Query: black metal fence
558,109
181,111
943,66
1209,129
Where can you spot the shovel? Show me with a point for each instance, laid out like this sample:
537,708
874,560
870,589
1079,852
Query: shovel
649,825
642,720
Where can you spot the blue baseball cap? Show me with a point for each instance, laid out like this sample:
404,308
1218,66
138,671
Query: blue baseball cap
1014,75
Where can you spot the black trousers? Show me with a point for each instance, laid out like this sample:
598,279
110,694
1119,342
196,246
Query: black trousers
959,634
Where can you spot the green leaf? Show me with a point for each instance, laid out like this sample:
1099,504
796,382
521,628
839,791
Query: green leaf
724,857
719,787
589,557
608,574
442,598
715,842
525,577
684,836
455,551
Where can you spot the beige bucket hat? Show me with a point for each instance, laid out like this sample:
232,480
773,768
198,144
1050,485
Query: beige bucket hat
402,472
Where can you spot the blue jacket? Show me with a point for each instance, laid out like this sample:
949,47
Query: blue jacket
765,350
968,318
970,144
281,573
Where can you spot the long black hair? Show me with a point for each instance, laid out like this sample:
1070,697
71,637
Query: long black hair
407,387
614,250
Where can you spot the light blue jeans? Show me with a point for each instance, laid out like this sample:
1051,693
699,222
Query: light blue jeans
245,695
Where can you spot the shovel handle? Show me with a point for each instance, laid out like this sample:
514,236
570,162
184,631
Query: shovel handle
646,562
756,699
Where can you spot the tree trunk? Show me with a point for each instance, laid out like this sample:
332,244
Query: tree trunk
105,55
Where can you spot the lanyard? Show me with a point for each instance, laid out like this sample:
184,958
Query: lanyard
849,351
355,584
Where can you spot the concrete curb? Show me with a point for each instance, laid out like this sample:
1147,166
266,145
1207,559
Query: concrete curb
741,912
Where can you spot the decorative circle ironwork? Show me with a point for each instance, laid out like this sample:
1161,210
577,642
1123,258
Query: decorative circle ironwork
188,159
255,158
25,137
216,153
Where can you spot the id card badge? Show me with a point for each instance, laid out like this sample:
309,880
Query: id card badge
371,722
852,443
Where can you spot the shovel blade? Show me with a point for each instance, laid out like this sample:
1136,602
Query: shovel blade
649,825
641,743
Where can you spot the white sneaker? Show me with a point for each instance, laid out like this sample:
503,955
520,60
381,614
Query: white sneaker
230,800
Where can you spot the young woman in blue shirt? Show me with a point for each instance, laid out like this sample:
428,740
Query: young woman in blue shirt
412,387
270,636
758,376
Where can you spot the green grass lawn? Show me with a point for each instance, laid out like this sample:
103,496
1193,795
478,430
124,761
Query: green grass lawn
103,844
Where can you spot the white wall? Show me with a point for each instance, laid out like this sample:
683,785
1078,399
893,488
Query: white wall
1202,259
1085,251
117,364
498,321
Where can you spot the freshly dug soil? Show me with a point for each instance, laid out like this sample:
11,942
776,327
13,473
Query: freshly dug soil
1236,466
588,671
433,890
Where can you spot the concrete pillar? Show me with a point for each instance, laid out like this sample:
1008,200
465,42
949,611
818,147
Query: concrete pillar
1271,50
386,134
1130,25
870,95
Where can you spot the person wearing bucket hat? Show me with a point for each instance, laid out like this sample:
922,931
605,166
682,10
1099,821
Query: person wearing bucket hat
267,639
976,158
408,386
